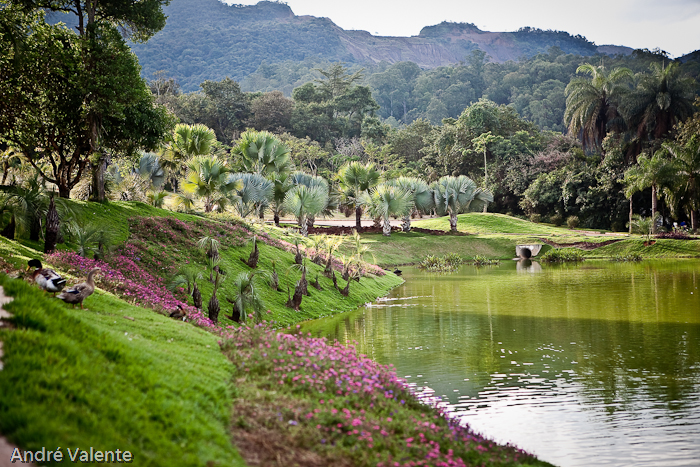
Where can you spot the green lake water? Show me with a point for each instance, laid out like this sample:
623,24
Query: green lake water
590,364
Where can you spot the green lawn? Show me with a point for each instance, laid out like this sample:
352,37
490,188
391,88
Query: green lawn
483,223
156,387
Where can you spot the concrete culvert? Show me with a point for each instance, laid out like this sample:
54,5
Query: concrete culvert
525,253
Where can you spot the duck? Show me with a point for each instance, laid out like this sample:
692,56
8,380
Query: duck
47,279
179,314
397,271
80,292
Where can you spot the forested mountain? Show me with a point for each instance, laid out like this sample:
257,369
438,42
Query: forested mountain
209,40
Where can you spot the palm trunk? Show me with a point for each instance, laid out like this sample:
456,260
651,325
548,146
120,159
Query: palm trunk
406,224
631,213
358,218
453,222
653,208
386,227
276,217
304,226
693,219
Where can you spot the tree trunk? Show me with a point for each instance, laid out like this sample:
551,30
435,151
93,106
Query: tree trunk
377,222
276,217
631,213
303,283
274,281
310,221
346,291
453,222
329,266
9,231
693,219
35,228
52,228
98,179
197,297
63,191
386,227
358,218
213,307
304,228
653,209
406,224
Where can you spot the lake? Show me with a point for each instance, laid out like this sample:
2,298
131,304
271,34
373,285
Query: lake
592,363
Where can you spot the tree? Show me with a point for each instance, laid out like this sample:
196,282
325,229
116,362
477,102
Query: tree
229,109
263,153
303,201
272,112
455,195
385,201
207,178
69,101
421,198
355,180
592,105
654,172
246,299
185,142
686,159
249,193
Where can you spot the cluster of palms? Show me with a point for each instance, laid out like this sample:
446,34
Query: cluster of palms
258,177
641,110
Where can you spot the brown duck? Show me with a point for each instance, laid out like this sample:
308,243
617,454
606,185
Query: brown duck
80,292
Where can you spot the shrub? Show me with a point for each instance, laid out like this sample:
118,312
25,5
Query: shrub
447,263
572,222
536,218
562,255
556,219
480,260
674,235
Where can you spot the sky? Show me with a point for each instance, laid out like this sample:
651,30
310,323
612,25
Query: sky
673,27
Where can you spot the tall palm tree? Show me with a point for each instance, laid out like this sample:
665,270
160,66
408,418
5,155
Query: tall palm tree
185,142
385,201
263,153
592,104
249,192
421,197
207,178
662,98
654,172
455,195
356,179
686,160
303,201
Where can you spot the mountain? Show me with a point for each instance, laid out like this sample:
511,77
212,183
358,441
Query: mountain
207,39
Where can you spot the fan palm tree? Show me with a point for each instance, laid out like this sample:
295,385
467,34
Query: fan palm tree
186,276
686,160
246,298
303,201
385,201
653,172
263,153
356,179
662,98
311,181
185,142
455,195
421,197
250,192
207,178
592,103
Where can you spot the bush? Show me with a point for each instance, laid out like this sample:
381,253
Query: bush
480,260
562,255
556,219
447,263
572,222
536,218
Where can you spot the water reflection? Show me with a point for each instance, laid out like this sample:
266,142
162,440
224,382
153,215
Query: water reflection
528,266
595,361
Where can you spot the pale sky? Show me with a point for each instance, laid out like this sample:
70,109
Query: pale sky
672,25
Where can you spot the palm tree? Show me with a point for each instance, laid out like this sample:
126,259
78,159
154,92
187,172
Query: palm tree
592,104
250,192
186,276
263,153
651,172
662,98
303,201
246,298
385,201
185,142
311,181
207,179
455,195
421,197
356,179
686,161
